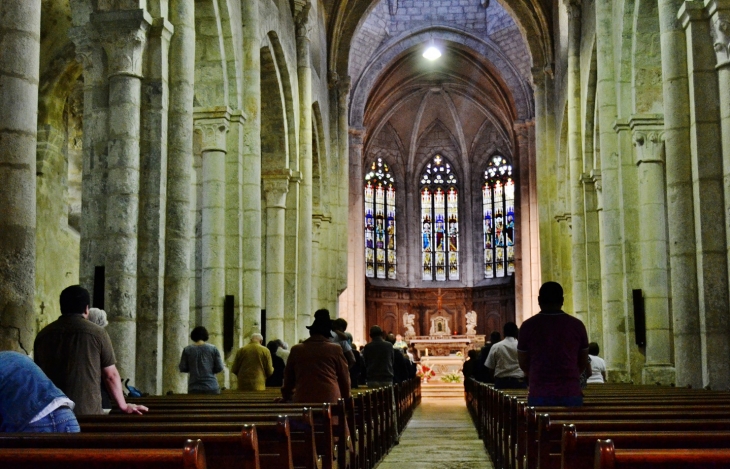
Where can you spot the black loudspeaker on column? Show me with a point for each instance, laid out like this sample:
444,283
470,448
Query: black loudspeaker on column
639,318
98,294
228,307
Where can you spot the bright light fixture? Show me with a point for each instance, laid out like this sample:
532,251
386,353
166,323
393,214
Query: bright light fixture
432,53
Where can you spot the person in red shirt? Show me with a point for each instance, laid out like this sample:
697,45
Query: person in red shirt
316,370
553,352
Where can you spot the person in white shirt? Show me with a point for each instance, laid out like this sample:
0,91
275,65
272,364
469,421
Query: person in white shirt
503,360
598,366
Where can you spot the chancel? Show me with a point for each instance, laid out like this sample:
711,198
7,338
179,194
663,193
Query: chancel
420,165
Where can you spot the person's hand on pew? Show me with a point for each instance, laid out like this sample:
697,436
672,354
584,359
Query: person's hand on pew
134,409
280,400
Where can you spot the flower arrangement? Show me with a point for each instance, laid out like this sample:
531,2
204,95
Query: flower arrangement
451,378
425,373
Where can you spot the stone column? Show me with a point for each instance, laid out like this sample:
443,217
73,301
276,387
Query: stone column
213,124
575,154
305,261
538,79
648,134
719,13
316,266
680,215
178,224
707,178
276,187
523,237
152,191
343,180
355,313
291,258
234,225
93,182
612,265
591,187
19,64
123,34
252,169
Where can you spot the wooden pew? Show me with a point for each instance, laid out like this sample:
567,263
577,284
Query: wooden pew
303,449
550,429
190,456
225,450
578,448
608,457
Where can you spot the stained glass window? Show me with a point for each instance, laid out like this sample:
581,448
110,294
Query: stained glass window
380,253
439,222
498,195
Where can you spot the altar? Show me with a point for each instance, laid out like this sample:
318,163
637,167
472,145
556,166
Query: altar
443,346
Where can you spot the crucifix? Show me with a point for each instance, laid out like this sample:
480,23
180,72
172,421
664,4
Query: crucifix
43,307
439,299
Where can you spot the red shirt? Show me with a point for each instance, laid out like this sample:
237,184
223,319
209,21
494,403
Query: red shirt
554,341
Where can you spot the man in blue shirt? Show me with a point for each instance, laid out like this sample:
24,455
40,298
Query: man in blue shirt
29,401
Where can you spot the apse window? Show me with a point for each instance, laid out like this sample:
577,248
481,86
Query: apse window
439,221
498,194
380,235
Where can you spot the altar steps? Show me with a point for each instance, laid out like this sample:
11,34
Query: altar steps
436,389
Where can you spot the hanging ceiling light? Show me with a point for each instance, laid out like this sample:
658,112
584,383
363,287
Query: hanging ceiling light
432,52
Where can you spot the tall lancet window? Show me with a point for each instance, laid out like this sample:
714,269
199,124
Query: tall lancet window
380,259
498,194
439,222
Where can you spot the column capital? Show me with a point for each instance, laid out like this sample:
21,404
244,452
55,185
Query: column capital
296,177
356,136
212,124
301,17
538,77
276,186
522,130
719,13
123,34
621,125
162,28
648,137
691,10
574,8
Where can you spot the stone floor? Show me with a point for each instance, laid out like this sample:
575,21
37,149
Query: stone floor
439,436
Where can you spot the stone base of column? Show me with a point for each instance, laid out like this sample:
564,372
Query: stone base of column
618,376
663,375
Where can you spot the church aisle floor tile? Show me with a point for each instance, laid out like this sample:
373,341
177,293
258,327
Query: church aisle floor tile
439,436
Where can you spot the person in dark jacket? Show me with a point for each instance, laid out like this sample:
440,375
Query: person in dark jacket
401,370
277,378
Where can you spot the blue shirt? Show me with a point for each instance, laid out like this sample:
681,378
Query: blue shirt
24,391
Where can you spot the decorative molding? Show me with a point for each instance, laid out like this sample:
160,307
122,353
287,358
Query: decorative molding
719,13
691,11
648,137
213,124
301,17
574,8
123,34
276,186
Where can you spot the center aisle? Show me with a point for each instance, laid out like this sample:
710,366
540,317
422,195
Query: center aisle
440,435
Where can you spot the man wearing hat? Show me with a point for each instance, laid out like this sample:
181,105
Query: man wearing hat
316,370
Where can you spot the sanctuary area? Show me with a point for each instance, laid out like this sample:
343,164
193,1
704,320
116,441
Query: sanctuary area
421,165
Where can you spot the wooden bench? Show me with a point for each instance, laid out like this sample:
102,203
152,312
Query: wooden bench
608,457
302,443
225,450
578,448
190,456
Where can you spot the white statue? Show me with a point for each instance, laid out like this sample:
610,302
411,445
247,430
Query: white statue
408,321
471,323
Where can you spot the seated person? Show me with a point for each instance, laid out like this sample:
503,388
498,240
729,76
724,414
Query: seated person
29,401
